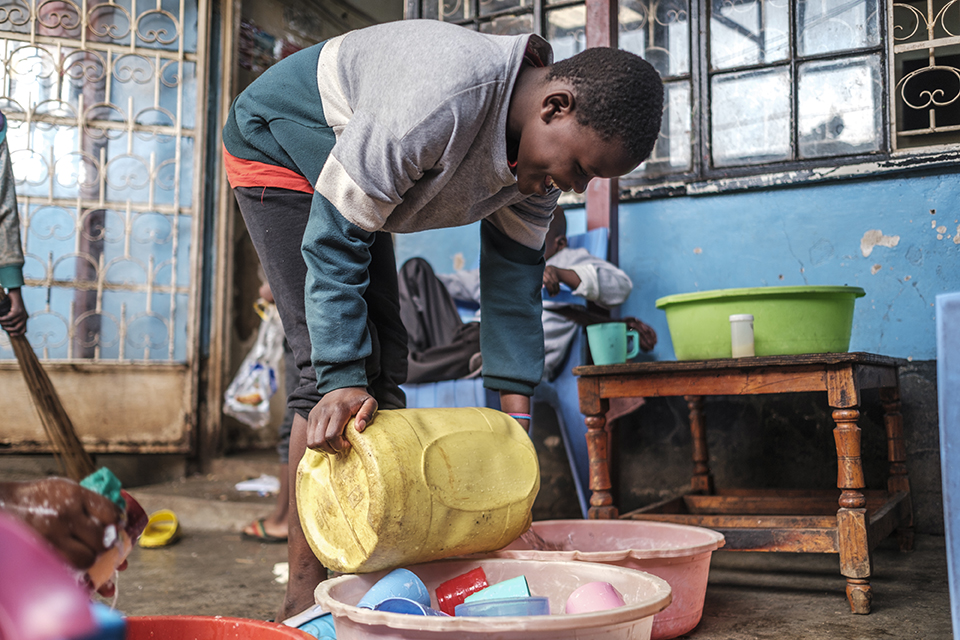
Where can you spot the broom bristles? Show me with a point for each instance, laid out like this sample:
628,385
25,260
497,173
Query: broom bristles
73,459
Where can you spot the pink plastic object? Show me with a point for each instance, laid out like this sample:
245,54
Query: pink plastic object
453,591
593,596
40,598
680,554
644,595
209,628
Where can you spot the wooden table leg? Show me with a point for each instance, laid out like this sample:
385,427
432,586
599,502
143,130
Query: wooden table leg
594,408
897,456
702,481
852,525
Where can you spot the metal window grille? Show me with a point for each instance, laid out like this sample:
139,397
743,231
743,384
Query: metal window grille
101,101
926,50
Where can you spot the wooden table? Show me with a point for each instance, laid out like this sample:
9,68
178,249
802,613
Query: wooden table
770,520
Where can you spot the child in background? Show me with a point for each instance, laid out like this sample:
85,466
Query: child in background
402,127
446,345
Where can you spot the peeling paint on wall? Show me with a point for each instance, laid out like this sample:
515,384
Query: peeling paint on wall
875,269
874,238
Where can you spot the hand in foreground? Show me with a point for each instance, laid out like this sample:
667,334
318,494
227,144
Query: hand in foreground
329,418
15,321
648,337
72,519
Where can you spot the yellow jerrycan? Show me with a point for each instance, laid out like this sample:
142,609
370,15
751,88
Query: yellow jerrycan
418,485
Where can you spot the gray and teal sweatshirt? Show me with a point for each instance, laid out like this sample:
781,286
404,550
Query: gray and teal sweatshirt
11,251
401,127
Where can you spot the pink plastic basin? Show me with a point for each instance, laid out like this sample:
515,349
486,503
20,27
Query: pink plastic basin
680,554
643,594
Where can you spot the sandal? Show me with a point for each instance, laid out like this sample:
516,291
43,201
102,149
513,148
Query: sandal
163,529
260,533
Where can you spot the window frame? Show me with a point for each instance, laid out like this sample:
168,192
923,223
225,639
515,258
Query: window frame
703,178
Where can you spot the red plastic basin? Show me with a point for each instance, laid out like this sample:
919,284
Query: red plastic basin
208,628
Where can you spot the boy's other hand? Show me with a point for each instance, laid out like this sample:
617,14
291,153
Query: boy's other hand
71,518
329,418
15,320
648,337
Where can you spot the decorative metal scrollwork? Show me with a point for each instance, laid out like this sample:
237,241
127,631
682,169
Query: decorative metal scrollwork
98,99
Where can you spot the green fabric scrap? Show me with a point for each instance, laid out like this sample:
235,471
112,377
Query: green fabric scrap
106,484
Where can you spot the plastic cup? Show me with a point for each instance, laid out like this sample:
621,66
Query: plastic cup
455,590
530,606
399,583
594,596
408,606
512,588
741,335
608,342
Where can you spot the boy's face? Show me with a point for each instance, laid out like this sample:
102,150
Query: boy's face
556,150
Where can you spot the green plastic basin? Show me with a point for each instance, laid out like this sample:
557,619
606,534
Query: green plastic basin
786,320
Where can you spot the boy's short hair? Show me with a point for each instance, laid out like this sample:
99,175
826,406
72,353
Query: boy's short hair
618,94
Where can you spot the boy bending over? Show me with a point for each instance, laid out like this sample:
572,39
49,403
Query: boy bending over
403,127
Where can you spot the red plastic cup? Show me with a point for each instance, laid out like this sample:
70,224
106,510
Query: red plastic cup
453,591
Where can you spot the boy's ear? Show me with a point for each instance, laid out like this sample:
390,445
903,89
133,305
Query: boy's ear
557,101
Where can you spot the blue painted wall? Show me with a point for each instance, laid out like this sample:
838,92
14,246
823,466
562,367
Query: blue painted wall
806,235
796,236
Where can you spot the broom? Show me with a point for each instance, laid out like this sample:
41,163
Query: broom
72,458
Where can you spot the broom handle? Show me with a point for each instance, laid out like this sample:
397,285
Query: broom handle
73,458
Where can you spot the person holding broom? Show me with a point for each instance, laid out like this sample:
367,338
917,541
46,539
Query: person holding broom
402,127
13,315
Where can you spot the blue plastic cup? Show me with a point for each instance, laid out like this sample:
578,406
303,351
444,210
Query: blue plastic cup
532,606
512,588
399,583
406,605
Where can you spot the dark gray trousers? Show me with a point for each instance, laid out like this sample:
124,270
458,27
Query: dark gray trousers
276,219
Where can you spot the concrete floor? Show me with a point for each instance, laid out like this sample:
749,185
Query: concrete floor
749,596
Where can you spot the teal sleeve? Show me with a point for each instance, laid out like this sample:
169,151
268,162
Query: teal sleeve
11,277
337,255
511,331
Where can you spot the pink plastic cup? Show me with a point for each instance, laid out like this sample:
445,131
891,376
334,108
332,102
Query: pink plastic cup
455,590
594,596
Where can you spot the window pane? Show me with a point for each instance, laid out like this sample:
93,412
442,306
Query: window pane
509,25
744,32
566,31
750,117
662,39
836,25
673,151
839,107
490,6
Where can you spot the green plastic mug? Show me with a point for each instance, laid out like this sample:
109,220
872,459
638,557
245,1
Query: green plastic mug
608,342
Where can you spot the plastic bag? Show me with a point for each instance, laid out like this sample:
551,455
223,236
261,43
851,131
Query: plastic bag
248,397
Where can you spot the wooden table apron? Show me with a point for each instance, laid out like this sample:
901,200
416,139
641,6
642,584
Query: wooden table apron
770,520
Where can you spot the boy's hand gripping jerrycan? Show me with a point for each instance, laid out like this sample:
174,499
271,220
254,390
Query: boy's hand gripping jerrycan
418,485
